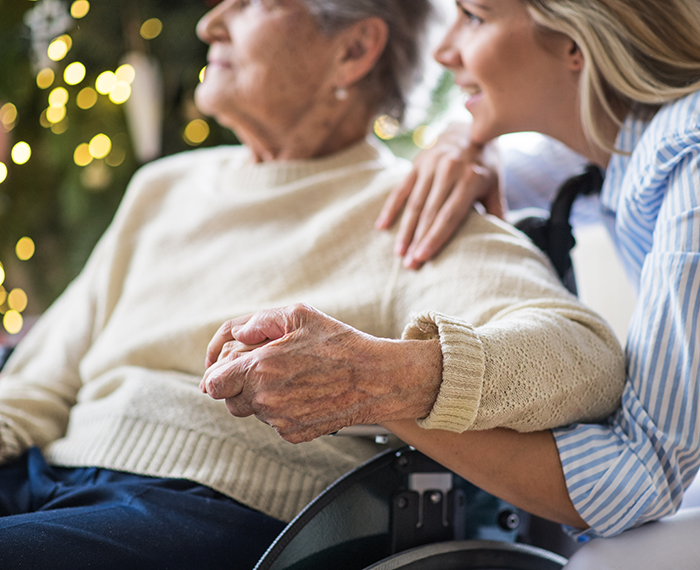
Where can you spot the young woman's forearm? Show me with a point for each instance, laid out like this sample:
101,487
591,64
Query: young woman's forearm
521,468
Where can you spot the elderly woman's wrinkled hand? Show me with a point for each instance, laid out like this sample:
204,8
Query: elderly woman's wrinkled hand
438,194
307,374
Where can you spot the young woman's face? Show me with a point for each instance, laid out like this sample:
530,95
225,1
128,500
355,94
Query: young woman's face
516,77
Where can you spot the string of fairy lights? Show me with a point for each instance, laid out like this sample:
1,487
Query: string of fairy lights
115,85
62,81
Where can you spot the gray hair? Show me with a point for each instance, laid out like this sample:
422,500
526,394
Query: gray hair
405,62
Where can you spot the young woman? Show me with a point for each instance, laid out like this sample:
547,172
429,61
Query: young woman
619,82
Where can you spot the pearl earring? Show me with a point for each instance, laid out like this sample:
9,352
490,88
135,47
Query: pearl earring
341,94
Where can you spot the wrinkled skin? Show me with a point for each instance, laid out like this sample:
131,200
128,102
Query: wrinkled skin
307,374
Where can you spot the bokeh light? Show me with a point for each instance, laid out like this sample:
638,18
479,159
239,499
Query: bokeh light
13,322
25,249
44,120
59,48
58,97
74,73
3,175
21,153
196,132
2,278
55,114
151,29
3,293
106,81
8,116
45,78
60,127
116,157
120,93
86,98
79,9
386,127
17,300
99,146
202,74
82,156
126,73
424,137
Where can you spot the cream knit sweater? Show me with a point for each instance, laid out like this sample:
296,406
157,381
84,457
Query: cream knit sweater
109,375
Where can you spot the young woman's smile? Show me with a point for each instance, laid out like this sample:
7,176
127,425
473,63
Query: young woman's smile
516,76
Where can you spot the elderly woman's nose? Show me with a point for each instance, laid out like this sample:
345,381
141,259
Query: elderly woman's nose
212,27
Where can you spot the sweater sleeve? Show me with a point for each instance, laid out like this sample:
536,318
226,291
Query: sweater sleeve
39,383
524,354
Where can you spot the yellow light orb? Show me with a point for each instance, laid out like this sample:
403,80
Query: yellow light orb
3,293
196,132
45,78
21,153
17,300
13,322
87,98
3,175
60,128
79,9
58,97
99,146
151,29
121,93
74,73
82,156
386,127
106,81
44,120
2,279
202,74
25,249
55,114
8,115
424,137
59,48
126,73
116,157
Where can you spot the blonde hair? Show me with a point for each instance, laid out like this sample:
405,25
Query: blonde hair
638,54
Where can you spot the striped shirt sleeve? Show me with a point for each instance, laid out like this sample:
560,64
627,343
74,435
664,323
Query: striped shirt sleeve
635,467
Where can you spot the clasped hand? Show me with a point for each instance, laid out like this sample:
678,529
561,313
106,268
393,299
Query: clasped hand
307,374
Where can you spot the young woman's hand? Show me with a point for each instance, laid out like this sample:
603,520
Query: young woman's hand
439,192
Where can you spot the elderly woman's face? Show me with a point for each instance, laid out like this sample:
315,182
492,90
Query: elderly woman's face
269,65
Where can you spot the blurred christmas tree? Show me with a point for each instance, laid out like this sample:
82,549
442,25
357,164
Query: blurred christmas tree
88,92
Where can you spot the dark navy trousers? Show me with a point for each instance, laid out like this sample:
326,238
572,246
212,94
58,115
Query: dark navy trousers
58,518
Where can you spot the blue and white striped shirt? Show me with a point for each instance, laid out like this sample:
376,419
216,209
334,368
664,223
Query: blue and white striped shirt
635,467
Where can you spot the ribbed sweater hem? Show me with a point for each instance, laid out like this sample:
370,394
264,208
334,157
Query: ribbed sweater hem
160,450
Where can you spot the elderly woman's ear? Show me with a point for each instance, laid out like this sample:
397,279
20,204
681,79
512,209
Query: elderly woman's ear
362,45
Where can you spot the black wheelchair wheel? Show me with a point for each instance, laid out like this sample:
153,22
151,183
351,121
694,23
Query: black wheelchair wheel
472,555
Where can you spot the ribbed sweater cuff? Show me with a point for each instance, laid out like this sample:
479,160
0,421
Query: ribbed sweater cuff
463,366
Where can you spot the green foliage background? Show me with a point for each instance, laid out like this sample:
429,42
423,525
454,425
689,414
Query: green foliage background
47,198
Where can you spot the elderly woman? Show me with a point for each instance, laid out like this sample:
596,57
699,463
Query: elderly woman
113,457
